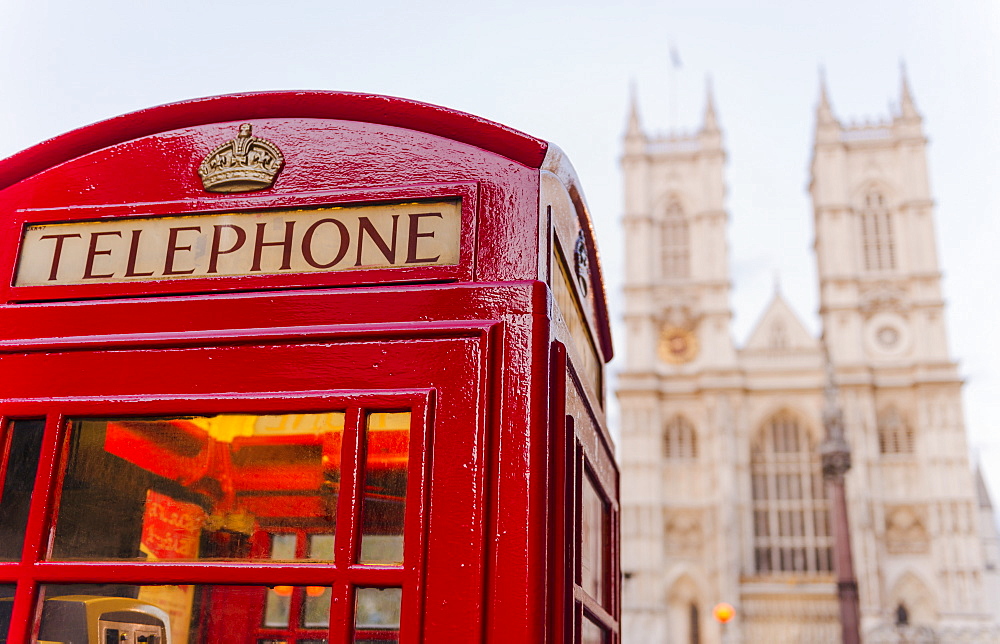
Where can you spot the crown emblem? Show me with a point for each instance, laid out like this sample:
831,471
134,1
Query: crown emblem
242,164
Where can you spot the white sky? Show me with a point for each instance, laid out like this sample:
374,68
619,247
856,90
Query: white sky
561,71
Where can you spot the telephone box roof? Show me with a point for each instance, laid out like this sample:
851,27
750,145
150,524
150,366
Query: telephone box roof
370,108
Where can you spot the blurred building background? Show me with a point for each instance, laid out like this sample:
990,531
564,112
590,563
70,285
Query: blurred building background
722,492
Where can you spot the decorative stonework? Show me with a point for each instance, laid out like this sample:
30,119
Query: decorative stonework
684,534
904,530
790,619
736,519
882,296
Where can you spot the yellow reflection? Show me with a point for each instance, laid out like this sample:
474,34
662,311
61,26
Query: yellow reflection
378,421
226,427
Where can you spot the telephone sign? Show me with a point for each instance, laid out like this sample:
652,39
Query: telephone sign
302,367
298,241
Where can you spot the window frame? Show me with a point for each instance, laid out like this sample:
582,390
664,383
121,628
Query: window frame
896,437
675,241
879,252
790,513
680,439
36,569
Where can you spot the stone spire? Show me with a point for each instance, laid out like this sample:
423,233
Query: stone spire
635,138
824,113
710,122
634,127
907,108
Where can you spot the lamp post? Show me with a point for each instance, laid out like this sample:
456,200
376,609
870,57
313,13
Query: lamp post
724,613
836,458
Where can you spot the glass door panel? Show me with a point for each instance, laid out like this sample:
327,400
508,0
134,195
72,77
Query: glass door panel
377,615
203,492
387,446
6,605
298,607
197,487
593,541
20,443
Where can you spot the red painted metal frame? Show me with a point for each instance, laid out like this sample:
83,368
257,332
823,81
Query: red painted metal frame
37,566
481,342
148,157
365,108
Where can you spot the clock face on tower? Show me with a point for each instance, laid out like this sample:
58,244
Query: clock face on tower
677,345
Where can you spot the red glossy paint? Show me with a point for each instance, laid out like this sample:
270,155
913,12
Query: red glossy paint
507,421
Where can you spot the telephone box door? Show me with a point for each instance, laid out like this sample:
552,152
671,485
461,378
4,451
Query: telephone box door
273,491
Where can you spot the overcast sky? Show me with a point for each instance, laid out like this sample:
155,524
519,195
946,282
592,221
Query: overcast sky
561,71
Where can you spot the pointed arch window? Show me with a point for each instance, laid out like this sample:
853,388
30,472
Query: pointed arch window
877,242
674,242
895,436
680,441
790,511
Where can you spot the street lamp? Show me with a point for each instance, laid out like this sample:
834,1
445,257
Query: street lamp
723,613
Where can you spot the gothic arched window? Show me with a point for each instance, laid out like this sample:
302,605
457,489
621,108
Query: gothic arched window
680,441
790,513
895,436
674,242
877,244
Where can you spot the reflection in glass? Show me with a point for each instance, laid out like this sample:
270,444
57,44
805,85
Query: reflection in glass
313,602
321,547
278,607
592,541
376,614
316,610
196,487
387,443
19,448
189,614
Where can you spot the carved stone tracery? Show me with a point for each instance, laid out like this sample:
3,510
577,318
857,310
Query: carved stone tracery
904,530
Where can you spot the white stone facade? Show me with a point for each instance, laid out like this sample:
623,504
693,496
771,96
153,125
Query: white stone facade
722,497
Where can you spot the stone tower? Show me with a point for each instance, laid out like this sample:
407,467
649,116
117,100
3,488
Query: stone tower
676,388
913,499
722,493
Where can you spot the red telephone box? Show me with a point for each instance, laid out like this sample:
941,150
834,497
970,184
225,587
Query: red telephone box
302,367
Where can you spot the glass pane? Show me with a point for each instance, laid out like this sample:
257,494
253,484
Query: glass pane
316,610
376,614
387,443
278,607
283,547
592,633
196,487
321,547
189,614
17,471
593,531
6,604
